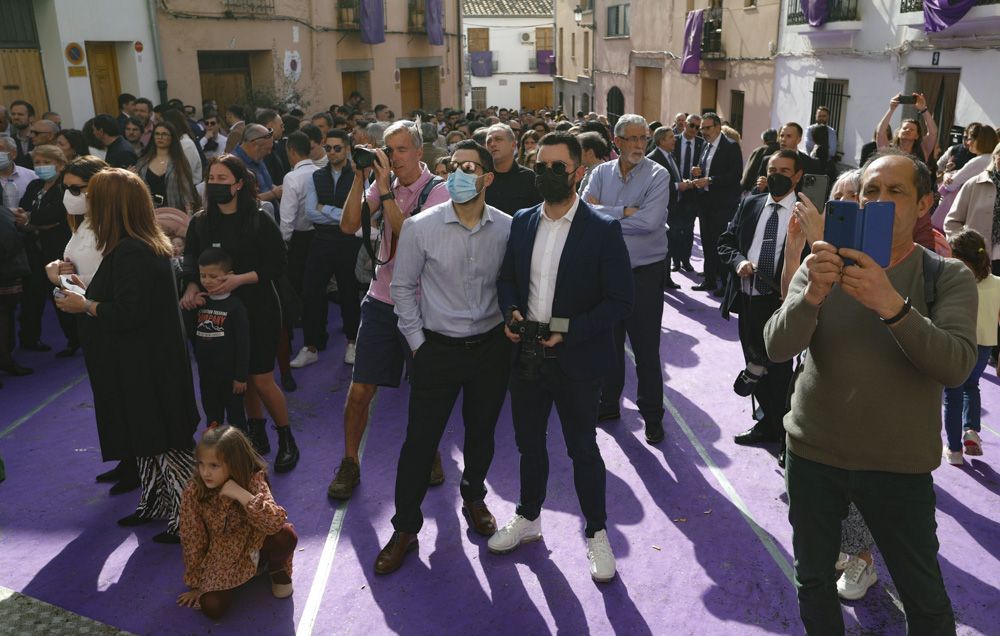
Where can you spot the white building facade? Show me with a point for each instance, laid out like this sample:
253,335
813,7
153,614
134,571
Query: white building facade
869,51
509,53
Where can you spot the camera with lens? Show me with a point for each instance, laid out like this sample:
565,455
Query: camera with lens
366,157
531,353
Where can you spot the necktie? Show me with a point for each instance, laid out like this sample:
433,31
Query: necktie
687,158
765,264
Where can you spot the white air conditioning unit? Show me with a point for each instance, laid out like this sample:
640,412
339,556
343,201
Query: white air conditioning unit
526,37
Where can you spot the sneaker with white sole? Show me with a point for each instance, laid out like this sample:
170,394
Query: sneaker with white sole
304,358
842,560
602,559
349,353
953,457
517,531
858,576
973,445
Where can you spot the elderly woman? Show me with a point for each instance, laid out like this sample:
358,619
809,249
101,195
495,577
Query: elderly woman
133,344
981,147
977,207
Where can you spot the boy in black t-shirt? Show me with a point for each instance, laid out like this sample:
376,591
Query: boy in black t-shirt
221,344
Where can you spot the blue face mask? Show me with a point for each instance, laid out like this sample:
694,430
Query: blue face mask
46,173
4,160
462,187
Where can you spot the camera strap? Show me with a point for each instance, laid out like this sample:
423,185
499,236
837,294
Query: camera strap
366,234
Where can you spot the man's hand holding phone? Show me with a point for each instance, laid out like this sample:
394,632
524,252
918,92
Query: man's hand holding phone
825,269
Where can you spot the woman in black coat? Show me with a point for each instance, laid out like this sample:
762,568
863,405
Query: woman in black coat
134,347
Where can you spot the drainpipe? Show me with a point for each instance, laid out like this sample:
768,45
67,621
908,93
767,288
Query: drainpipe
154,28
458,66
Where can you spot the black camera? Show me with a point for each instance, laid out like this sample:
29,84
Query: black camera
531,353
366,157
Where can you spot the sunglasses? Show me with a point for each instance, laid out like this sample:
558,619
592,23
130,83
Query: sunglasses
77,190
211,123
692,125
468,167
329,148
558,168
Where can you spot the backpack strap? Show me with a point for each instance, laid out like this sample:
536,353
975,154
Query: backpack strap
933,266
426,192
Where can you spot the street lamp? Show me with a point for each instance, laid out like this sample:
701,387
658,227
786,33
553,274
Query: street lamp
578,18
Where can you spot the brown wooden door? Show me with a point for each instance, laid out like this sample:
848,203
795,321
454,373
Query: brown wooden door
648,87
409,89
535,95
21,77
104,84
940,89
225,87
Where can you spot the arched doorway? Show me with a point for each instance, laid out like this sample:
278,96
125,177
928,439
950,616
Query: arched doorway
616,104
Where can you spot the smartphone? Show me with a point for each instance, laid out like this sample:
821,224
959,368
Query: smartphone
814,186
876,233
842,227
907,99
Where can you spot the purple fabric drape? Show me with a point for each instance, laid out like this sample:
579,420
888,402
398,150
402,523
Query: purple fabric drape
434,13
372,22
546,62
815,11
691,59
941,14
482,63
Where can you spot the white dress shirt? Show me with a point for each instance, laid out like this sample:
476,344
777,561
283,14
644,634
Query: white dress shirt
550,239
294,189
784,216
709,153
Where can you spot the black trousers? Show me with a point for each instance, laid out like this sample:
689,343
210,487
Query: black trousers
712,223
439,372
680,235
298,251
643,330
576,403
899,511
771,391
36,294
330,255
220,403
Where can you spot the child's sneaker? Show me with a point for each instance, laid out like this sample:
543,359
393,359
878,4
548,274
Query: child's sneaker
281,584
973,445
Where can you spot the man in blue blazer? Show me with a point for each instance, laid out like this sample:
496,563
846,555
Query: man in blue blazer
565,282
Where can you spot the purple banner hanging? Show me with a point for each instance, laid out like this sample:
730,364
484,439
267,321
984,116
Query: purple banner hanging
815,11
372,21
481,63
691,59
941,14
546,61
435,21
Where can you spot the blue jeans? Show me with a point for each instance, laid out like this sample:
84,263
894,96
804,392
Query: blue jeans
962,405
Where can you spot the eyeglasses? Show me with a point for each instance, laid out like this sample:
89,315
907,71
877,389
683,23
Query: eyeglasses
558,168
329,148
468,167
77,190
640,139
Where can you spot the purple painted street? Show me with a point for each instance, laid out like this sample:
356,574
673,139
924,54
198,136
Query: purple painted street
698,524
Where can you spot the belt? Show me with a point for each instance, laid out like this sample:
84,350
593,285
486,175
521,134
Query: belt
466,341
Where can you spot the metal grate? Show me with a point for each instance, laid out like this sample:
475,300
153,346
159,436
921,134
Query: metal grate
911,6
831,93
736,100
416,18
348,14
837,11
254,7
711,37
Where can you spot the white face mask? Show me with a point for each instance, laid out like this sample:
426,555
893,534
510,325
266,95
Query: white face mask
75,205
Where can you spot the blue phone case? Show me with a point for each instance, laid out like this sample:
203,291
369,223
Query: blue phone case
842,227
878,220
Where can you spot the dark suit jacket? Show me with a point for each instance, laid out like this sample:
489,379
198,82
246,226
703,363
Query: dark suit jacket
675,176
594,288
699,146
723,194
758,158
120,154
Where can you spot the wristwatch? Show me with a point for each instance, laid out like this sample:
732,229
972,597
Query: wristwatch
388,196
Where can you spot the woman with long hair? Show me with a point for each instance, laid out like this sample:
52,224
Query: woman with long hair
72,143
166,172
133,344
233,221
191,150
913,137
981,148
528,144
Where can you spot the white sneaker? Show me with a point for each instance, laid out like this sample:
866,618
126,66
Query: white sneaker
853,584
349,353
602,559
305,358
842,560
517,531
953,457
973,445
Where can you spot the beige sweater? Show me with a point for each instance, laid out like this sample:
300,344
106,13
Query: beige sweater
869,396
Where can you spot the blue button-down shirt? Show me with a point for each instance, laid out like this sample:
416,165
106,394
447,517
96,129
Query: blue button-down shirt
455,271
264,182
644,188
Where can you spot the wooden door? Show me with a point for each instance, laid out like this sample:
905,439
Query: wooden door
409,89
105,86
21,77
648,87
709,95
535,95
226,88
940,89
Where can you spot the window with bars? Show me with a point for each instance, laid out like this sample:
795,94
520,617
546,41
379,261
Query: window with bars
831,93
348,14
478,98
618,17
417,19
253,7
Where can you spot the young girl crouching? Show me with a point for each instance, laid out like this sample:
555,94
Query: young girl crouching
230,524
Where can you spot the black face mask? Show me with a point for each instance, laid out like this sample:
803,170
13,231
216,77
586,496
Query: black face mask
778,184
219,193
552,187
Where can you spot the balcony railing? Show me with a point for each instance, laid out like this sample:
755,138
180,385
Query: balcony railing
253,7
711,37
910,6
349,14
838,11
417,19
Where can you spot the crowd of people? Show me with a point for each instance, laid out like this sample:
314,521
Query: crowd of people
503,252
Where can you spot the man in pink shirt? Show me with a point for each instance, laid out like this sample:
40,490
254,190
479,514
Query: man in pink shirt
381,351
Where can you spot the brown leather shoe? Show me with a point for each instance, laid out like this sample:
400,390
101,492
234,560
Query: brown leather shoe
392,555
437,471
480,518
347,479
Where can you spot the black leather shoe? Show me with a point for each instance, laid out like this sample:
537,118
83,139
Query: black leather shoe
670,284
606,415
687,266
676,267
113,475
394,553
134,519
37,345
127,478
706,286
288,451
654,433
16,370
167,537
755,435
257,432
